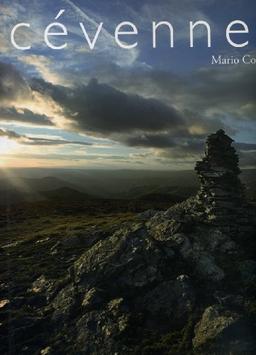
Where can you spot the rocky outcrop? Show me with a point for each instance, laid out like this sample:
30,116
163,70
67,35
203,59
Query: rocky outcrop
153,283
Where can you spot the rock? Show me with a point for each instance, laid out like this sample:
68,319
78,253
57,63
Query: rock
116,306
172,299
207,267
146,214
43,287
64,304
92,298
195,254
247,269
104,326
185,296
39,285
160,301
184,244
169,252
4,303
165,229
130,255
214,322
46,351
219,242
222,330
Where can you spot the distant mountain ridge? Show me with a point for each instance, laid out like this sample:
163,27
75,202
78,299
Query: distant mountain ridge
103,184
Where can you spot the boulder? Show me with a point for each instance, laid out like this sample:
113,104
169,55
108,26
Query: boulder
223,330
214,322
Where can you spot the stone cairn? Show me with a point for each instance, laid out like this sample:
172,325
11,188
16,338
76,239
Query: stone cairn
221,196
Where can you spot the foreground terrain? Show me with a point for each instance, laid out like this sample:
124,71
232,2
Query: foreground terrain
126,282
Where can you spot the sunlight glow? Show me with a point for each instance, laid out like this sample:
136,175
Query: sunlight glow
7,145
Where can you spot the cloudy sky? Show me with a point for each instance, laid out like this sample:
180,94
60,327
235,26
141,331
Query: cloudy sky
109,107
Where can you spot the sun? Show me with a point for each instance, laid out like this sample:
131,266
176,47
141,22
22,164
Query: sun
6,145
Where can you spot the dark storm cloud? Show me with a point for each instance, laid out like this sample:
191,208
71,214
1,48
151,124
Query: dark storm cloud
150,140
212,91
230,90
23,139
12,84
96,109
25,116
162,140
102,110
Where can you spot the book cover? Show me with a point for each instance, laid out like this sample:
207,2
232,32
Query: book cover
127,177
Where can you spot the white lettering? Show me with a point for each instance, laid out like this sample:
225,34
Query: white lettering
244,30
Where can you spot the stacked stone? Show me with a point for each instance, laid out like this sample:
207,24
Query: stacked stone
221,196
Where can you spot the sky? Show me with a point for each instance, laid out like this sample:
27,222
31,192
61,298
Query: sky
116,108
